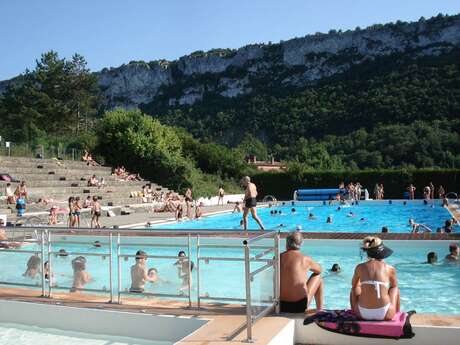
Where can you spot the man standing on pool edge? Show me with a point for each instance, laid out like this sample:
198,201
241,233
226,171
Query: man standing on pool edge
250,202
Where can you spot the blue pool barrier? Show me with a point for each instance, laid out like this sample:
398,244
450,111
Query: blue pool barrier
317,194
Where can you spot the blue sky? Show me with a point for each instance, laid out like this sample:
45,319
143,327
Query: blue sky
112,32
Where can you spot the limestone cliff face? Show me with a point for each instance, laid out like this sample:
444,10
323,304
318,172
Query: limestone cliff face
133,84
303,60
297,62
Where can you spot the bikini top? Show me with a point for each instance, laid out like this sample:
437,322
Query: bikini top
376,284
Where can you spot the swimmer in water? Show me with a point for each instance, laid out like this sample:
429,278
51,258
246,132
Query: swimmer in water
350,214
97,244
311,216
431,258
329,220
293,210
335,268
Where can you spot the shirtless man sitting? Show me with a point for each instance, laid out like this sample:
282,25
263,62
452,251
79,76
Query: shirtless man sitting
250,202
297,291
139,274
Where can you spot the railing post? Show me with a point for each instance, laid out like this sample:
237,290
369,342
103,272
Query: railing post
50,268
277,273
110,266
119,268
198,270
247,274
189,271
42,244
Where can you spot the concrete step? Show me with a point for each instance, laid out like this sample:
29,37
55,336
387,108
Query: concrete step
26,160
47,191
69,176
62,202
68,183
57,171
51,165
138,211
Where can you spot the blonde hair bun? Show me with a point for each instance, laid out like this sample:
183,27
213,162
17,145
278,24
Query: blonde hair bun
371,242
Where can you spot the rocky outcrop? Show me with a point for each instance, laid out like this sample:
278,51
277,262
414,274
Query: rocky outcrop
133,84
295,62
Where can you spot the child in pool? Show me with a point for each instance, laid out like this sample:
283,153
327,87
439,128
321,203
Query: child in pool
80,276
33,267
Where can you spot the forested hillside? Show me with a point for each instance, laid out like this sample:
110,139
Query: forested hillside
393,111
387,96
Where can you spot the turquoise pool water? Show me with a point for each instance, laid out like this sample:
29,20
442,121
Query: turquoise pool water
15,334
368,216
425,288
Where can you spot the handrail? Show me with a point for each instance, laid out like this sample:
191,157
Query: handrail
154,245
260,237
75,231
249,276
49,238
55,254
39,252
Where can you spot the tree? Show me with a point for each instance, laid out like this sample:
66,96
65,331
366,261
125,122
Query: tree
253,146
56,98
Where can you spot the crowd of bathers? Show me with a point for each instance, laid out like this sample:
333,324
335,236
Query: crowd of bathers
140,273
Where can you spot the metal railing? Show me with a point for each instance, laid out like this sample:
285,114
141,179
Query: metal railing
11,246
256,255
52,253
274,264
121,256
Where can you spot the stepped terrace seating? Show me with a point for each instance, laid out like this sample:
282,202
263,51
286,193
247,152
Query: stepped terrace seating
58,180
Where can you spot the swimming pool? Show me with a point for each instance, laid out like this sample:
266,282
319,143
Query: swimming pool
368,216
17,334
425,288
25,323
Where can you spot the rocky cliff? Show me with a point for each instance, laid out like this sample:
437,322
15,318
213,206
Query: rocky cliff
296,62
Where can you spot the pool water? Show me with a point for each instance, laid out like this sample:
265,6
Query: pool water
15,334
425,288
368,216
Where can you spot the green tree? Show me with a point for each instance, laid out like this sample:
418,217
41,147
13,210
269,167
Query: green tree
58,97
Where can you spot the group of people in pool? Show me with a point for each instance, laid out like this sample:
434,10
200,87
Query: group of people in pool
452,257
140,274
374,293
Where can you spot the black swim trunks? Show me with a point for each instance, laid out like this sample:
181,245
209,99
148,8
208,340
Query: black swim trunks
250,202
133,290
294,307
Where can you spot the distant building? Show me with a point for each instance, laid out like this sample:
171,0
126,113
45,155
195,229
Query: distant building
265,165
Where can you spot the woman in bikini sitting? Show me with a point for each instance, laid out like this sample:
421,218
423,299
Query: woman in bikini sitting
375,293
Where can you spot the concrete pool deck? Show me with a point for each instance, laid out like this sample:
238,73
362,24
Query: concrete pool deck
226,322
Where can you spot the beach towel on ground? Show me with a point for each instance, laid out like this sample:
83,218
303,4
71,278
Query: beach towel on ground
345,322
